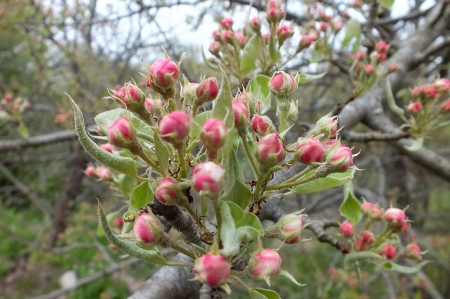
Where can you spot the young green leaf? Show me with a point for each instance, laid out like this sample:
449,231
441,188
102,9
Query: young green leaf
199,120
404,269
259,293
332,180
351,207
386,3
236,190
304,78
353,257
162,152
259,86
23,130
250,53
140,196
352,30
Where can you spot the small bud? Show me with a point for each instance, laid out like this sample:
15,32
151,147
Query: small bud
432,92
366,207
168,191
241,39
345,14
337,25
153,106
309,150
121,133
118,222
90,171
445,107
208,178
228,36
214,48
368,237
270,151
356,4
8,97
323,26
413,252
264,264
380,57
207,91
393,67
164,73
103,173
305,42
347,229
283,33
174,128
388,251
240,113
368,68
134,95
402,228
213,134
266,37
360,55
381,47
217,36
108,147
255,24
442,85
376,214
341,158
292,114
121,94
147,229
262,125
360,244
226,23
414,107
211,269
274,13
321,16
282,85
395,216
290,227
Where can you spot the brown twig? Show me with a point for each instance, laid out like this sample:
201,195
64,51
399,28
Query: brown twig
372,136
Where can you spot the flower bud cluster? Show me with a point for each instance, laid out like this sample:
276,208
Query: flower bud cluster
101,173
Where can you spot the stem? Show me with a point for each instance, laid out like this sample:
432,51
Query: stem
296,183
149,161
387,231
218,216
257,193
183,172
194,109
299,175
191,211
249,155
183,250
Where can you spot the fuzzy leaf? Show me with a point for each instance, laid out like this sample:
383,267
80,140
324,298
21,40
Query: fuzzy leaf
304,78
111,217
353,257
250,53
259,293
259,86
236,190
121,164
125,183
274,54
332,180
151,255
352,30
140,196
403,269
351,207
162,152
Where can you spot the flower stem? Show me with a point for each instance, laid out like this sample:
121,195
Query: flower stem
249,155
218,216
183,250
299,175
296,183
149,161
183,171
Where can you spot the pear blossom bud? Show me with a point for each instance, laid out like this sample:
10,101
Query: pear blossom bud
164,73
266,37
217,36
402,228
262,125
108,147
292,114
208,178
134,94
211,269
214,48
323,26
305,42
168,191
337,25
264,264
356,4
283,33
255,24
90,171
314,35
270,151
345,14
226,23
213,134
8,97
309,150
282,85
380,57
366,207
174,128
368,237
368,68
207,91
341,158
413,252
327,126
442,85
321,16
445,107
153,105
360,244
432,92
103,173
414,107
228,36
121,133
376,214
395,216
118,222
240,113
381,47
347,229
360,55
393,67
274,14
121,94
388,251
147,229
290,227
241,39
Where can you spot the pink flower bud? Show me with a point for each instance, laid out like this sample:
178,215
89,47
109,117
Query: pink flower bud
321,16
211,269
393,67
337,25
108,147
345,14
213,134
168,191
270,150
388,251
164,73
147,229
305,42
347,229
121,133
226,23
290,227
309,150
90,171
432,92
208,178
240,113
262,125
402,228
134,94
413,252
118,222
445,107
376,214
323,26
217,36
381,47
283,33
366,207
153,106
368,237
360,244
341,158
264,264
228,36
241,39
207,91
255,24
360,55
8,97
442,85
356,4
380,57
414,107
214,48
266,37
395,215
174,128
121,94
282,85
103,173
314,35
368,69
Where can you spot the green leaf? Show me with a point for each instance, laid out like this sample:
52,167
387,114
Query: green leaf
332,180
151,255
236,190
391,101
259,86
140,196
224,111
162,152
199,119
386,3
125,183
306,78
404,269
274,54
111,217
290,277
237,227
351,207
121,164
353,257
416,144
259,293
209,64
23,130
352,30
250,53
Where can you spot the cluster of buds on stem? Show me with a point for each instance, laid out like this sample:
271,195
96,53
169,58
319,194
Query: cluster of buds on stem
101,173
